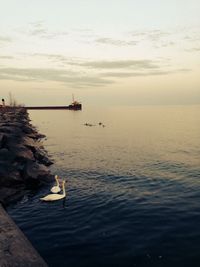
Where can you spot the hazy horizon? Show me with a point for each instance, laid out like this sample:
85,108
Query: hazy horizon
116,53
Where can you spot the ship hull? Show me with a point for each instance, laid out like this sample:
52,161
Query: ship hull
70,107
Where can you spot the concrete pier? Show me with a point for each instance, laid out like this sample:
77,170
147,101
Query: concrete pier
15,249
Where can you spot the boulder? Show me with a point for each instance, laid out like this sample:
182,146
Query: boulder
6,155
3,140
10,130
41,156
22,153
36,171
23,160
9,195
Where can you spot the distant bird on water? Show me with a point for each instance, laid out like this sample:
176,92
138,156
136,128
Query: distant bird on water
56,188
54,197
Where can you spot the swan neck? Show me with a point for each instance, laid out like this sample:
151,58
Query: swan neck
57,182
64,193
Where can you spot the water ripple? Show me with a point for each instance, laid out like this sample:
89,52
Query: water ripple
133,190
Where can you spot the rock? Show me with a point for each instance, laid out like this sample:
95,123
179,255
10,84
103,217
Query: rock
10,177
11,130
23,159
3,140
9,195
40,155
13,124
31,143
22,153
40,136
15,177
19,166
27,129
35,170
36,136
6,155
4,170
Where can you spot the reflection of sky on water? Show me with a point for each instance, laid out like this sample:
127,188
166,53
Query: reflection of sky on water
132,188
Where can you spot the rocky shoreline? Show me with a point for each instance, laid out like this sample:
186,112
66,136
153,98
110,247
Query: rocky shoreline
23,160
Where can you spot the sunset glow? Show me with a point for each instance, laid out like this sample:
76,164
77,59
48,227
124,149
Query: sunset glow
116,52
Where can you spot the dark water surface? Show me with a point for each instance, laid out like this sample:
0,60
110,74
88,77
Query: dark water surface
133,188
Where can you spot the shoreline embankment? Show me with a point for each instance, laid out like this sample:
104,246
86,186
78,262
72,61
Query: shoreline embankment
15,249
23,166
23,159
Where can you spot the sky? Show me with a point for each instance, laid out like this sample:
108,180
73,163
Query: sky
116,52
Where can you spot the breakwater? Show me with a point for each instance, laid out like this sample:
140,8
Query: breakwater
23,160
23,166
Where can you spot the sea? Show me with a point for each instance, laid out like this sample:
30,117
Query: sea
132,188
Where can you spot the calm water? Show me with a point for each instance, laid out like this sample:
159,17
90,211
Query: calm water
133,188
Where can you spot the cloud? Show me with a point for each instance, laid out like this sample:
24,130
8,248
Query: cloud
102,64
157,38
80,79
53,57
39,29
6,57
40,32
194,49
167,44
56,75
153,35
156,35
5,39
113,69
121,64
115,42
141,74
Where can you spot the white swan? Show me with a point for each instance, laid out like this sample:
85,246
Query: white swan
53,197
56,188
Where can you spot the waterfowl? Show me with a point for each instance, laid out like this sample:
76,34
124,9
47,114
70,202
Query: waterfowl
56,188
54,197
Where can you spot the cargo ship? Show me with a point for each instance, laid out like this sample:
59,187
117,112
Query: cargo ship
75,105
